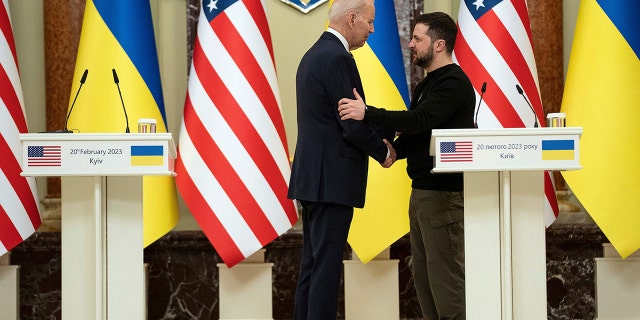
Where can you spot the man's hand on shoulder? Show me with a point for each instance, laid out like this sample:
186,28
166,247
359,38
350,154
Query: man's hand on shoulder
352,109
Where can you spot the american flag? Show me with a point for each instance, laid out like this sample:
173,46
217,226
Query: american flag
494,46
44,156
233,164
19,211
457,151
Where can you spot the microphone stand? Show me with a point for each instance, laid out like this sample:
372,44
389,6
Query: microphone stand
482,90
66,122
521,92
115,79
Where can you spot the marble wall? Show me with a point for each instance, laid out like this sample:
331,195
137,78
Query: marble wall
183,275
571,249
39,258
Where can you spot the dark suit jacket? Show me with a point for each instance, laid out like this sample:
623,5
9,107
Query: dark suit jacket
331,158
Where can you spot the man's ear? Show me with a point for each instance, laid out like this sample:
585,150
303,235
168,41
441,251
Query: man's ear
352,18
441,45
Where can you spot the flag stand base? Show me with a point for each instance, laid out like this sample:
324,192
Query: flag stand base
246,289
371,291
617,285
9,292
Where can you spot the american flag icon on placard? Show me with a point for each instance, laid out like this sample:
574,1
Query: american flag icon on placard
456,151
44,156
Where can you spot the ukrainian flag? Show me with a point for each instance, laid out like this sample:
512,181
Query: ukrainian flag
602,95
118,34
385,218
558,150
147,155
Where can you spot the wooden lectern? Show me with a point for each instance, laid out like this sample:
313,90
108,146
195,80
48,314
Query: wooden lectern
505,256
102,242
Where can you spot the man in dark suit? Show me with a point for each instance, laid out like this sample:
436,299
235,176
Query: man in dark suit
329,171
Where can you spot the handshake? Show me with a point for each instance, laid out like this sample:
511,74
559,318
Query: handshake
391,158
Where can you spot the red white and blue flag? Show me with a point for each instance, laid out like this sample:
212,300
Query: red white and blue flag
456,151
19,210
494,46
233,164
44,156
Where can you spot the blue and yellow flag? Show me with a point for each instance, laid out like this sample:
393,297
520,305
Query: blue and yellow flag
385,218
602,95
558,150
118,35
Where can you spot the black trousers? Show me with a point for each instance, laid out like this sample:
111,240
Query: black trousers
325,228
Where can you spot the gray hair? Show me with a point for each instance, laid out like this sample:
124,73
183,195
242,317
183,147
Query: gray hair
340,8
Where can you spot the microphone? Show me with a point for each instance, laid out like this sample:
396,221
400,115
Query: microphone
82,80
521,92
115,79
475,118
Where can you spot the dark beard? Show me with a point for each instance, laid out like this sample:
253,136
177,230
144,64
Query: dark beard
425,60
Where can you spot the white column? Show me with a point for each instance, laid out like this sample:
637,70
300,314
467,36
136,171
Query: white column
126,293
83,282
505,255
528,255
102,254
506,267
482,245
371,291
246,289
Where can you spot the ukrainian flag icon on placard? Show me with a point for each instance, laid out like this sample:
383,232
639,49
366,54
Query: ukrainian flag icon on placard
558,150
147,155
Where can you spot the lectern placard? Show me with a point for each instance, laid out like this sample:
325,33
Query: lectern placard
504,212
103,154
103,179
522,149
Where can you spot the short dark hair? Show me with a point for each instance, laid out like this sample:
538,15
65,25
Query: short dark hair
441,26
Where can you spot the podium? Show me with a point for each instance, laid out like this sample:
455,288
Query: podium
505,255
103,273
